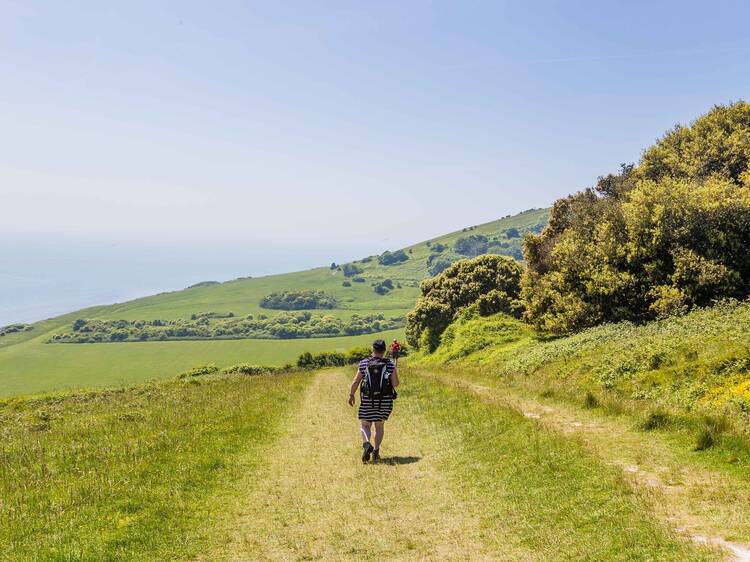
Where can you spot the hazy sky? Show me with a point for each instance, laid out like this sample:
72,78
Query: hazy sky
285,122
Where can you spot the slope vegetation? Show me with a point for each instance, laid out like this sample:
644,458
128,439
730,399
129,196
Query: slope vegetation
29,364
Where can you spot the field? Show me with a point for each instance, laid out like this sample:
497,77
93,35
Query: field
28,364
230,469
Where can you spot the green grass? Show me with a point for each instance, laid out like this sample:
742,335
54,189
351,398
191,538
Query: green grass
38,367
131,474
541,489
671,375
28,364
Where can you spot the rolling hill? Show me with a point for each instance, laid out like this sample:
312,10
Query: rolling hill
29,364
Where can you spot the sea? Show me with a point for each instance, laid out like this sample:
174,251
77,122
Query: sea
42,278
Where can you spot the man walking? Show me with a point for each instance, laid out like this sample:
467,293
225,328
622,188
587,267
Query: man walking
377,378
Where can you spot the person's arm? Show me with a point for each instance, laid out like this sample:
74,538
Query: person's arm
394,376
353,387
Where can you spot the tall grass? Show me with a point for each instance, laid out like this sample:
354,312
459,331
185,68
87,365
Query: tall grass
130,474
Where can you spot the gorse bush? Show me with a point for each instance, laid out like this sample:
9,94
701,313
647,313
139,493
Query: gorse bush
490,282
653,240
298,300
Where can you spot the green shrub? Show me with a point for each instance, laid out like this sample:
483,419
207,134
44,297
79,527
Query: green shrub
15,328
437,263
248,369
383,287
286,325
350,270
199,371
653,240
471,246
590,401
346,283
298,300
490,281
392,258
655,420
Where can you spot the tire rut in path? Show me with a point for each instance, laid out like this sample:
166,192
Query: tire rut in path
315,500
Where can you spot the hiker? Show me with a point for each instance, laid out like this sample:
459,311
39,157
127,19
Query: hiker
377,378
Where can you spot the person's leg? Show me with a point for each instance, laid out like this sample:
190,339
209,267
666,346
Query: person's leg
364,428
379,431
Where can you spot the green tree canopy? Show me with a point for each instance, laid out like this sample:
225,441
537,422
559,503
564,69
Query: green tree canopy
659,238
490,282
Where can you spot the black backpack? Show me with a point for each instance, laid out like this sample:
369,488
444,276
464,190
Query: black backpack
376,383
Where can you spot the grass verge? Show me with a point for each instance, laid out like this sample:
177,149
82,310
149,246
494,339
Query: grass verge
130,474
539,487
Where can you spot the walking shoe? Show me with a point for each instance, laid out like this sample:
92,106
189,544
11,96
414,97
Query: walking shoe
375,455
367,449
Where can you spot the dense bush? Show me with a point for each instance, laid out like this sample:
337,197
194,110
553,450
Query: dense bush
320,360
439,262
715,144
324,359
391,258
653,240
471,246
249,369
298,300
199,371
14,328
350,270
359,279
287,325
199,315
346,283
383,287
490,282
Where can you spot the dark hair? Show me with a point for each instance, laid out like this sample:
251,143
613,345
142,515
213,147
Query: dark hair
379,346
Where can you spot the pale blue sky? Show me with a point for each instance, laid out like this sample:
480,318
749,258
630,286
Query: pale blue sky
280,120
250,137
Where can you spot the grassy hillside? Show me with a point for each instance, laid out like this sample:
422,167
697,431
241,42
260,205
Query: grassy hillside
29,364
690,373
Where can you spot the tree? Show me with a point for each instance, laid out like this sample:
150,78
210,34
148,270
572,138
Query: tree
652,240
490,282
391,258
350,270
472,245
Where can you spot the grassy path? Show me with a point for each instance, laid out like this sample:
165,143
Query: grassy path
315,499
461,479
707,505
